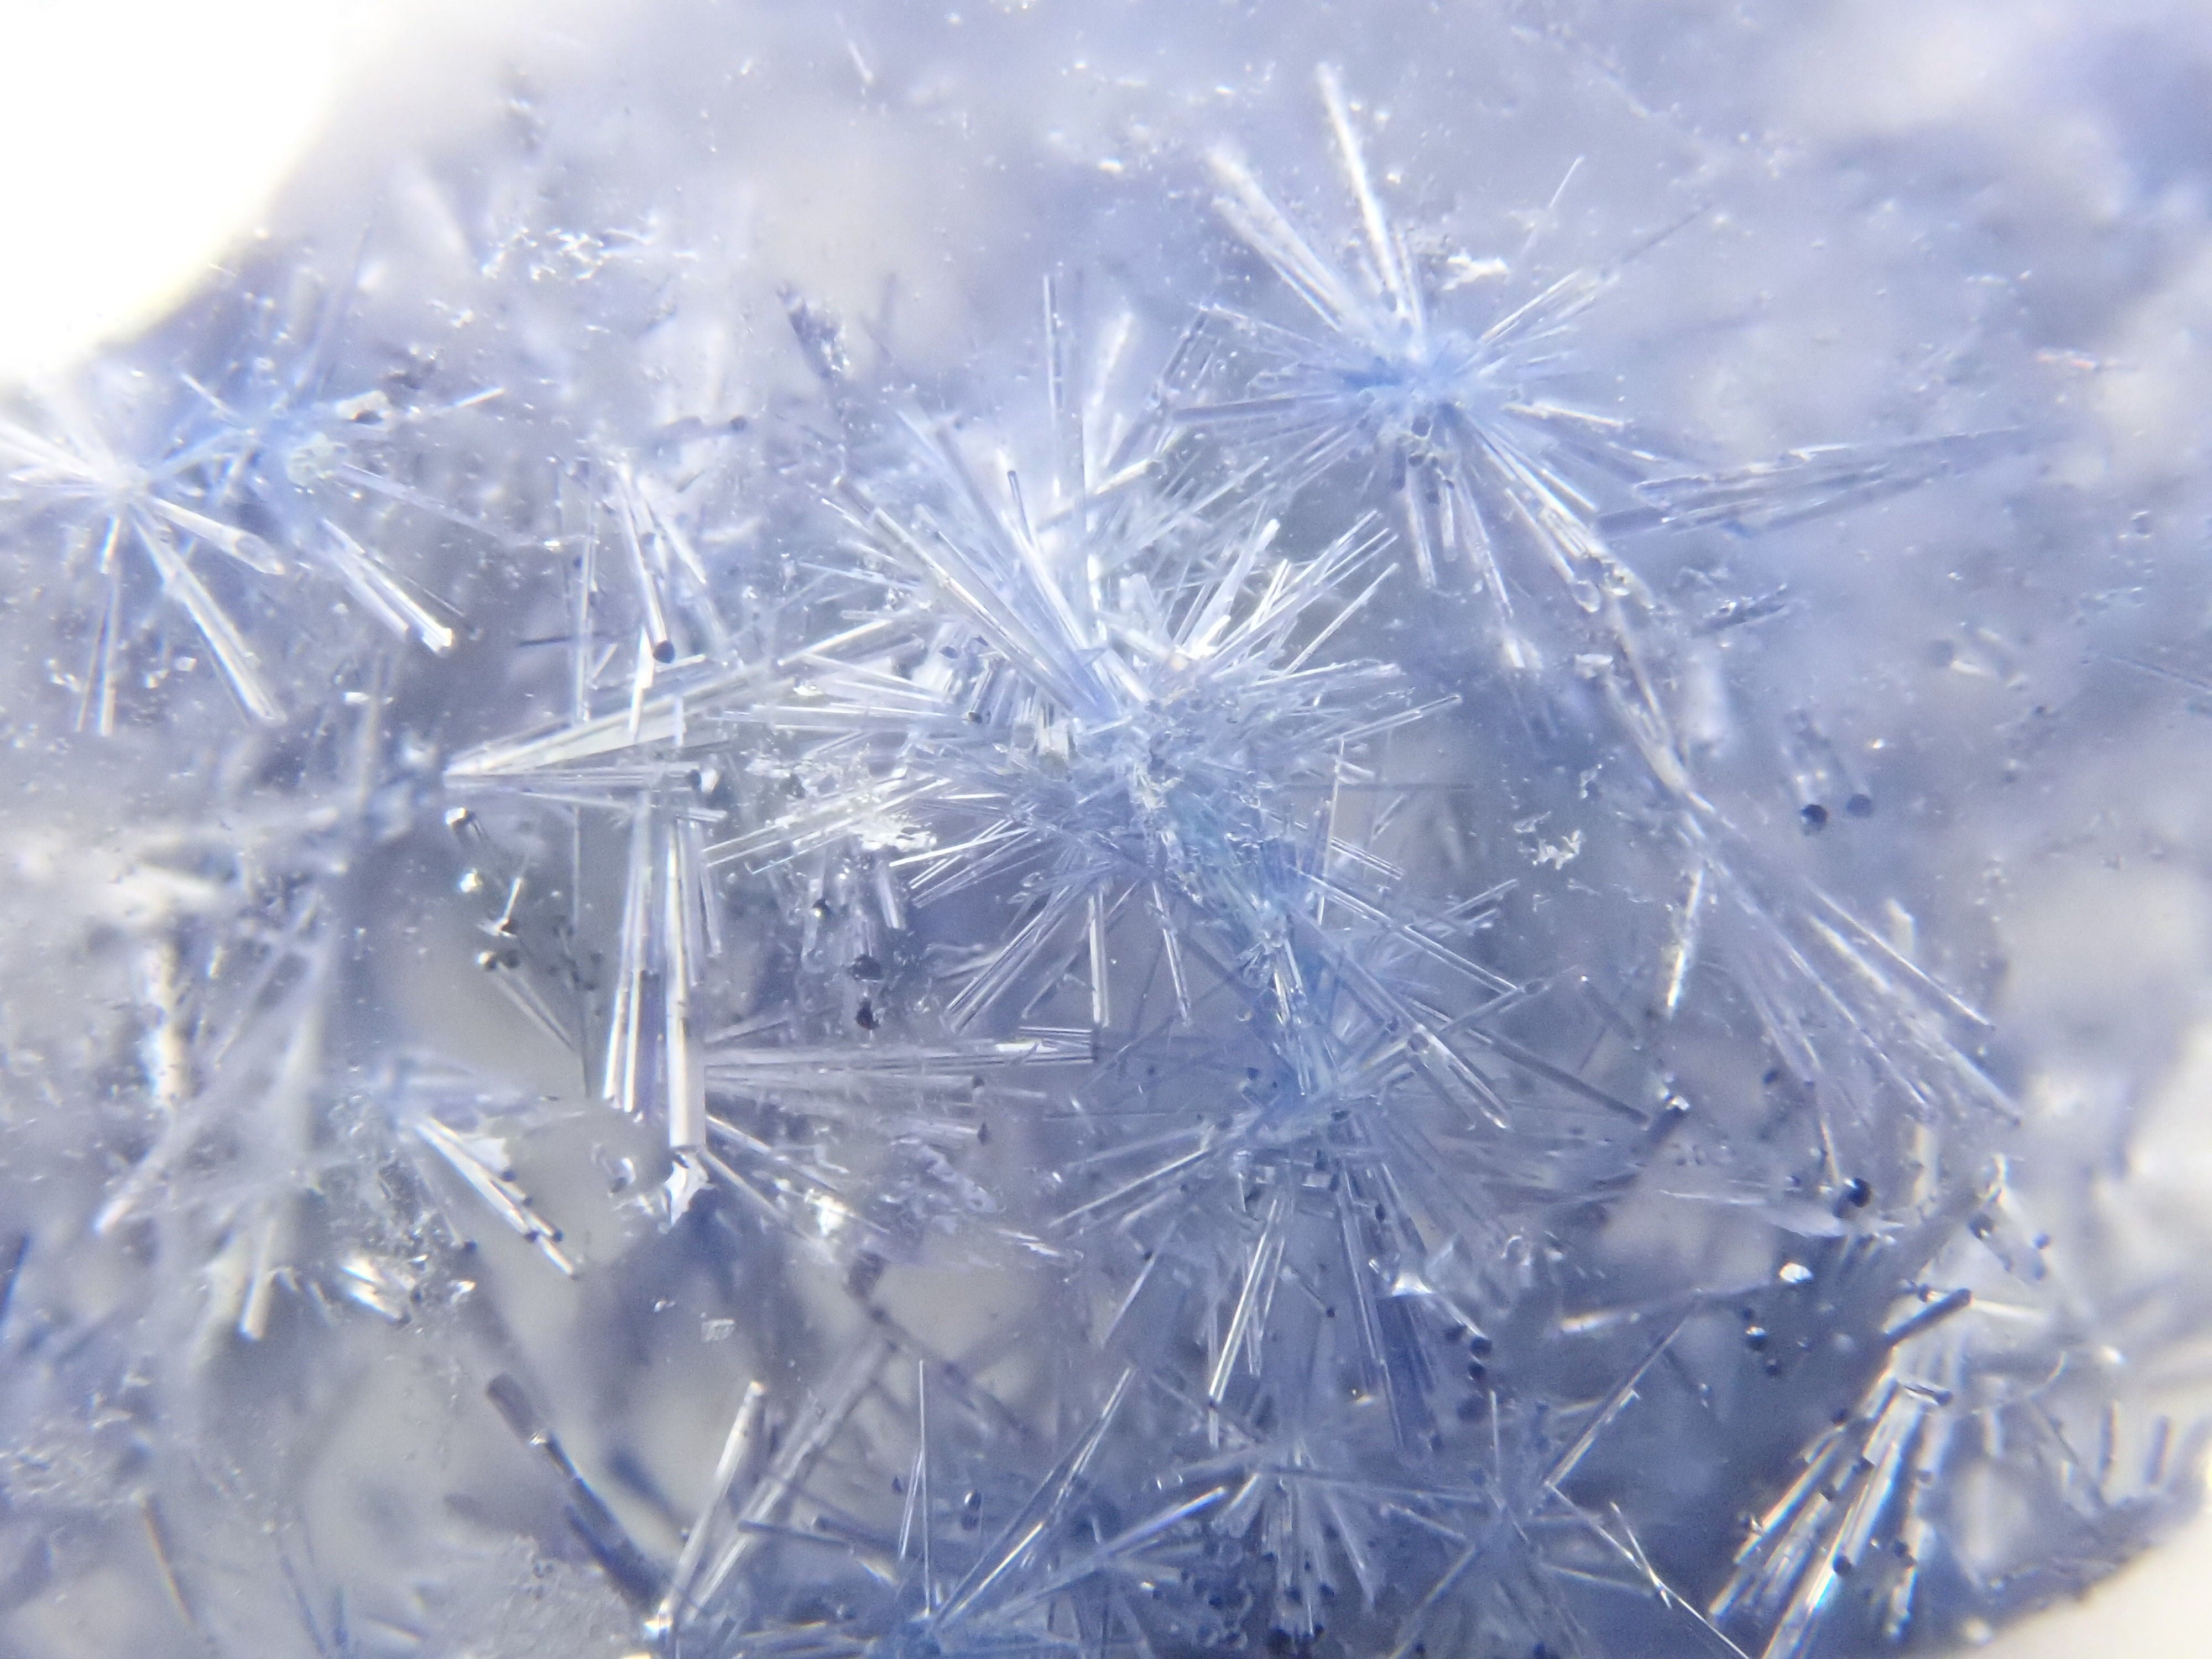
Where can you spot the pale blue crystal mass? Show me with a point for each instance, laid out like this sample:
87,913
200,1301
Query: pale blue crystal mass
1117,831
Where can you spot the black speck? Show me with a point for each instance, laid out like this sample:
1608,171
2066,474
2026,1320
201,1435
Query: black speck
1816,817
865,966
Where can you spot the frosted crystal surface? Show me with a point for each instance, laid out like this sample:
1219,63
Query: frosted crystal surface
1123,830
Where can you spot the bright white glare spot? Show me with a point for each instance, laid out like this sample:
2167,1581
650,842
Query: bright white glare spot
144,138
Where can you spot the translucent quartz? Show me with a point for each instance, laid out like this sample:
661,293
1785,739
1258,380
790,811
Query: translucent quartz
1128,831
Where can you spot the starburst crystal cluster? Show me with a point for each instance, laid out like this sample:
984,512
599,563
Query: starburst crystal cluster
1271,969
